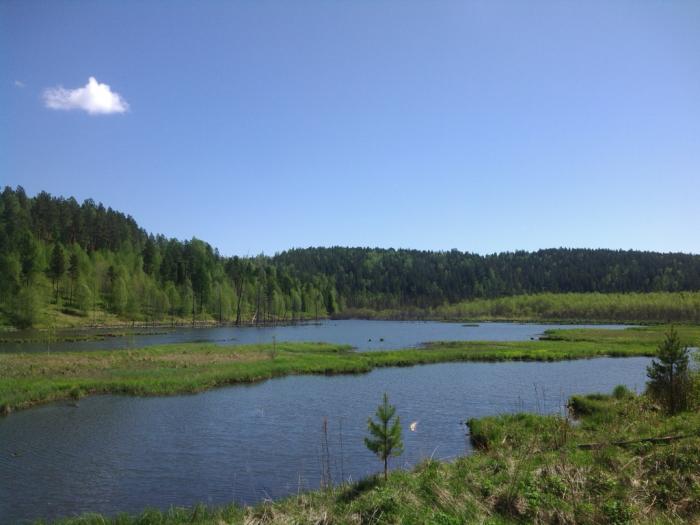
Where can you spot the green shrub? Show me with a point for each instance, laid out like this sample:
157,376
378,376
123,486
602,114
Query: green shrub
76,393
617,513
622,392
669,374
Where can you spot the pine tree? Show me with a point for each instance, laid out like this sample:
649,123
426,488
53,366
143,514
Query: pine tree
669,376
385,440
74,273
29,257
57,266
149,256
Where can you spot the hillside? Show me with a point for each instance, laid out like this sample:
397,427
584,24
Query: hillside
64,263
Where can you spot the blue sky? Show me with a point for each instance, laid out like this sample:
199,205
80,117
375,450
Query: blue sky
260,126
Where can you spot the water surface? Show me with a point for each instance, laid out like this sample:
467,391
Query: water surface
248,443
363,335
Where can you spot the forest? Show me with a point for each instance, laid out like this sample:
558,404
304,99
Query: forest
77,259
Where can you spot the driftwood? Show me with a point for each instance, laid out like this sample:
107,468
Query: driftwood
664,439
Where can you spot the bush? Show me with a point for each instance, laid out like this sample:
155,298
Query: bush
76,393
622,392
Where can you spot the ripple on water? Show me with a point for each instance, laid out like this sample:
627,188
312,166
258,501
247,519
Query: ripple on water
247,443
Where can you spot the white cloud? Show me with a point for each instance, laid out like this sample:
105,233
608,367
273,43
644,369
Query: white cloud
19,84
95,98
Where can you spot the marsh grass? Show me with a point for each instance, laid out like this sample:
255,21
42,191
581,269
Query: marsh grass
27,379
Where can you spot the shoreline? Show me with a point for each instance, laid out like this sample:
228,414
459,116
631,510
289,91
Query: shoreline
29,379
525,468
169,326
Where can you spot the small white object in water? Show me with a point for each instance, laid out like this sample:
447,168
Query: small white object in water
413,426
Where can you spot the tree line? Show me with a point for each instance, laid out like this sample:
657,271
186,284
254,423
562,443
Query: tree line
84,257
397,279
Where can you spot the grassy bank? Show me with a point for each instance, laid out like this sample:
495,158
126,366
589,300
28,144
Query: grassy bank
27,379
527,469
634,308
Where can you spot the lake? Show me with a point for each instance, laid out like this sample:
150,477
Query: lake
363,335
248,443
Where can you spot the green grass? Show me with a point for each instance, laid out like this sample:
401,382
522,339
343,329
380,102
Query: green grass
527,469
690,335
27,379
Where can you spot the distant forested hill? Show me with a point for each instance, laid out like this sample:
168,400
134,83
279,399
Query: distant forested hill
394,278
76,259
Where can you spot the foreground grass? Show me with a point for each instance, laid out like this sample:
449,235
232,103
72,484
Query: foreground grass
527,469
27,379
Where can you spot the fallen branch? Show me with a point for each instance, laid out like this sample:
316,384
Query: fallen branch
664,439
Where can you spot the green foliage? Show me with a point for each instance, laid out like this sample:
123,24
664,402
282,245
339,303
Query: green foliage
119,296
29,254
83,295
27,307
601,408
57,266
404,280
10,275
385,434
485,433
617,513
74,266
102,246
136,276
631,306
669,375
622,392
